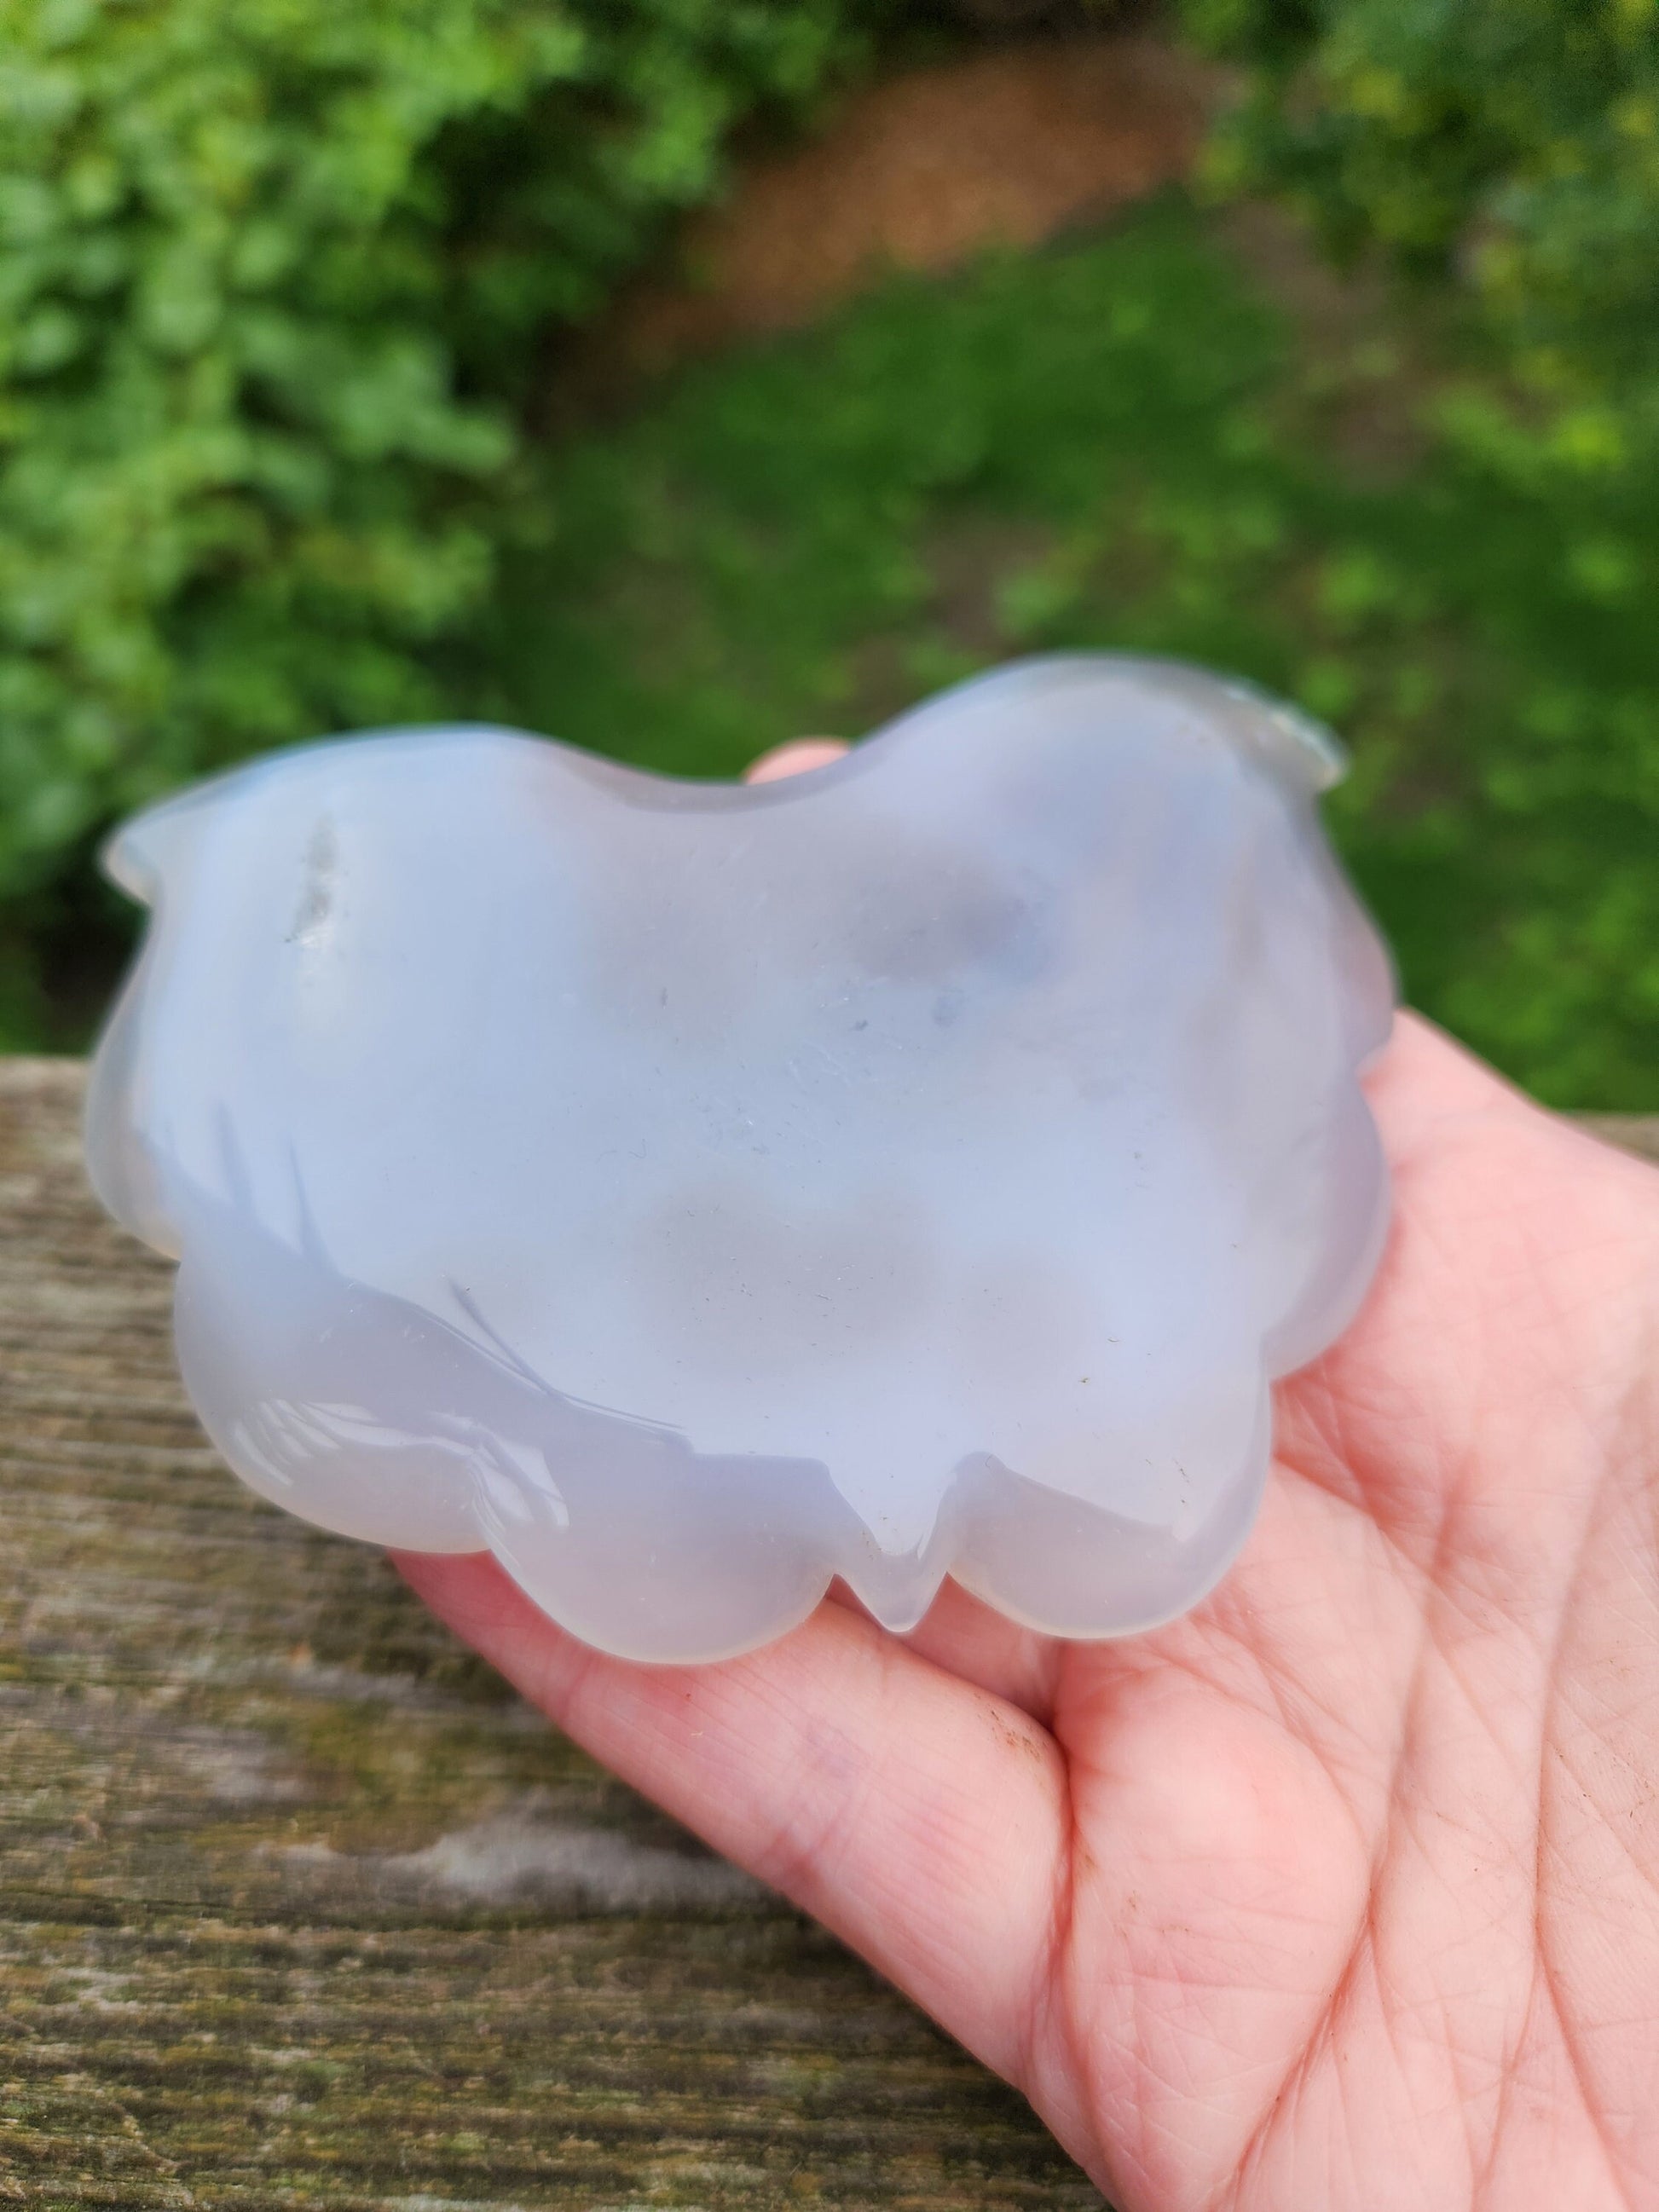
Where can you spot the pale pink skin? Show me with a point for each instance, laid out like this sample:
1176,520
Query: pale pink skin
1343,1891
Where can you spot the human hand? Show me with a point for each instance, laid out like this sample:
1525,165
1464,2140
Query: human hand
1342,1890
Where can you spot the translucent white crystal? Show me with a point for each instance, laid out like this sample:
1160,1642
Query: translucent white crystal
693,1192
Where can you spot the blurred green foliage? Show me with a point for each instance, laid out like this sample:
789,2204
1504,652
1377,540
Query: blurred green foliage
1527,130
1126,443
276,282
1512,144
1511,148
276,278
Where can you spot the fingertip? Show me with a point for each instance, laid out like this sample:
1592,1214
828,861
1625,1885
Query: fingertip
797,757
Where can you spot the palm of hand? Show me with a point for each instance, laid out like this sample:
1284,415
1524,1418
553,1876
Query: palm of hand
1344,1890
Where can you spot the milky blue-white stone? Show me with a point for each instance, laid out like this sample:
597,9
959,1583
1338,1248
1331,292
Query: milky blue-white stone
693,1192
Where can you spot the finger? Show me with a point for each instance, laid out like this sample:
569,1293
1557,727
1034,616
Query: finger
972,1640
795,758
922,1819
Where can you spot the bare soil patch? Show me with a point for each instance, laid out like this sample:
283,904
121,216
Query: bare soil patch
1005,147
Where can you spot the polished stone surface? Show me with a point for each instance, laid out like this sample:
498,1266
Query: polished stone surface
692,1192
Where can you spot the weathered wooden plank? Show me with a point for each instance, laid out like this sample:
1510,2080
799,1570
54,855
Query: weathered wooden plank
299,1906
1634,1132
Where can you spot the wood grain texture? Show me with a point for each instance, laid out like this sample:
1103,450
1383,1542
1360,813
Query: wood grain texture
1632,1132
299,1906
